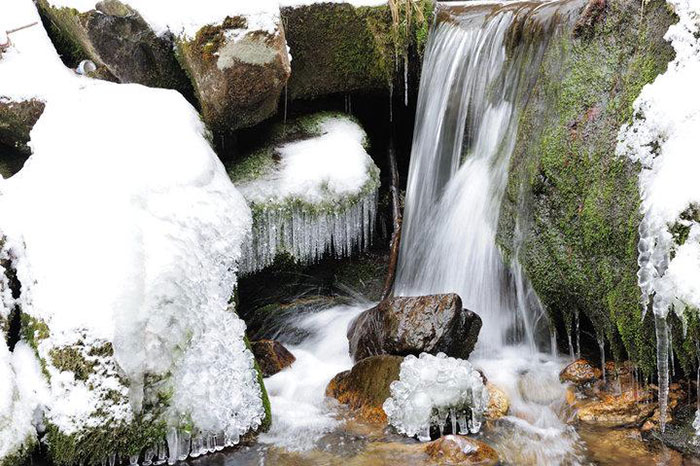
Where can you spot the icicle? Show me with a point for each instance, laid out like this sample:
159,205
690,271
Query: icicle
196,448
424,434
670,347
553,341
112,459
134,460
391,102
183,445
601,345
463,427
578,335
405,80
162,453
219,443
453,418
211,448
171,438
571,346
662,366
148,456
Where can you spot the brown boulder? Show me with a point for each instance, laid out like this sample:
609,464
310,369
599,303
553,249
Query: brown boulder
365,387
271,356
498,403
579,372
457,449
630,408
412,325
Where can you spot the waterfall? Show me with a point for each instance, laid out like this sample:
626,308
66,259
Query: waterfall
476,74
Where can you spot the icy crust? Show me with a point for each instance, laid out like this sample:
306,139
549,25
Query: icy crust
664,138
22,391
125,232
311,195
435,390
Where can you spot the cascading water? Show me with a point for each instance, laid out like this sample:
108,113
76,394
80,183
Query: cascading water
479,67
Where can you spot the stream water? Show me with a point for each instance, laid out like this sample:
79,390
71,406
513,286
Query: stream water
471,88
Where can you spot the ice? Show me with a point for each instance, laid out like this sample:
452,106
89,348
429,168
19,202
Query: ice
664,138
125,232
432,389
321,195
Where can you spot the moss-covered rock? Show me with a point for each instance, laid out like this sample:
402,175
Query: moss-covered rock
118,40
339,48
238,73
16,121
575,200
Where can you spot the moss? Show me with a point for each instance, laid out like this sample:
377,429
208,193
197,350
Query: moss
22,456
267,421
71,359
582,201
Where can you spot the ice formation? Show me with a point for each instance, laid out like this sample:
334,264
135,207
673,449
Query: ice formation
310,196
22,392
434,390
125,232
664,138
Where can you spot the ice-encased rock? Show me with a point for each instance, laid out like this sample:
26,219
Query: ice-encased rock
315,194
21,393
125,233
435,391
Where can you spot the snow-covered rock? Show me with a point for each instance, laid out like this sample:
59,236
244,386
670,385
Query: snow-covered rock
315,194
435,391
125,232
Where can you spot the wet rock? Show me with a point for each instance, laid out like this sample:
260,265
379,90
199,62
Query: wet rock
679,433
613,447
675,396
16,121
580,372
499,403
630,408
365,387
412,325
119,41
541,387
271,356
238,74
457,449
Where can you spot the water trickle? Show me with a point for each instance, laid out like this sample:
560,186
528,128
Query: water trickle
601,345
578,335
662,366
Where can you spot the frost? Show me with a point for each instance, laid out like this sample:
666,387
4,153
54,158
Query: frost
433,390
311,196
664,138
125,232
21,393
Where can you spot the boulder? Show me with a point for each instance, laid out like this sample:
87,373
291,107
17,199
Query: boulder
580,372
119,41
412,325
457,449
271,356
238,72
630,408
16,121
679,433
365,387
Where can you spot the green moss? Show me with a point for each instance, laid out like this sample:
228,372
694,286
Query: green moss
582,200
267,421
71,359
22,456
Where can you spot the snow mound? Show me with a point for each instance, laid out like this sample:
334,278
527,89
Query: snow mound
311,195
433,390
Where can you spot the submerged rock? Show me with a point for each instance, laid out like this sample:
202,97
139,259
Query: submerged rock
461,450
412,325
580,372
365,387
271,356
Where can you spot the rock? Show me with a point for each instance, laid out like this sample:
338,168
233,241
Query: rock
498,403
271,356
16,121
119,41
457,449
625,447
238,74
412,325
675,395
365,387
679,433
541,387
580,372
631,408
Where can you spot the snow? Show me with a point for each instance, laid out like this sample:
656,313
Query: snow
22,392
126,229
432,390
322,192
664,138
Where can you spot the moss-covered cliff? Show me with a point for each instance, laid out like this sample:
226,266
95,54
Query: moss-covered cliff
575,201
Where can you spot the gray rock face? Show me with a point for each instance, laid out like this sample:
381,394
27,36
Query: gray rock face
412,325
16,121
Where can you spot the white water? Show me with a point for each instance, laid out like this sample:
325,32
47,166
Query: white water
300,415
466,123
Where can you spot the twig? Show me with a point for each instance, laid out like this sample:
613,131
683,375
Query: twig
396,213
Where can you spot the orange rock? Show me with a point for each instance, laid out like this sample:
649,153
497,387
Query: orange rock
460,450
579,372
498,403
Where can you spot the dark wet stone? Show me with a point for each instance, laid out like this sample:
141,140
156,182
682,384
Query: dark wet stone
272,356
